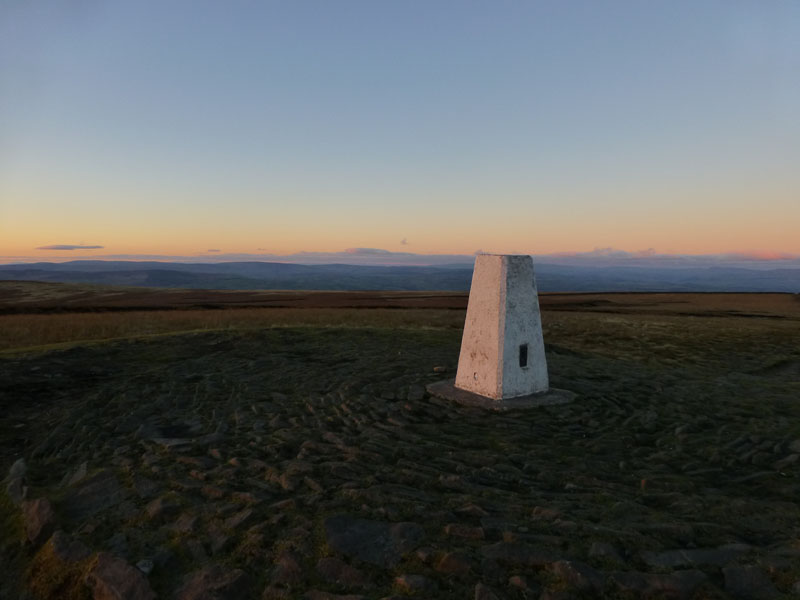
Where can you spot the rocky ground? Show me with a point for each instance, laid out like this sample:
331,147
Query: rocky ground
311,463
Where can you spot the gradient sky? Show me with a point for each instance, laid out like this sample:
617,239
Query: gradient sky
275,127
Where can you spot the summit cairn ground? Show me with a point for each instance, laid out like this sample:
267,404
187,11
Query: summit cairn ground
262,462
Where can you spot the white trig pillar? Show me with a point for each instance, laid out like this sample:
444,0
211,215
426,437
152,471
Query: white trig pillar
502,350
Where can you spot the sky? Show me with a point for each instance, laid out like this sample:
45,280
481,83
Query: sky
269,128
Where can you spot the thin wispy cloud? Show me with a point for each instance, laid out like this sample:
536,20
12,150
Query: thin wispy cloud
68,247
404,242
213,250
367,251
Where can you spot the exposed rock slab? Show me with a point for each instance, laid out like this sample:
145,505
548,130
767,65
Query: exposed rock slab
376,542
112,578
39,519
214,582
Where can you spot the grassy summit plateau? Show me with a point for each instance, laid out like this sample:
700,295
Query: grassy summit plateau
293,453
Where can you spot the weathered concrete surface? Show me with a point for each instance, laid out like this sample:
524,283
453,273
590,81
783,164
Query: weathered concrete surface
502,349
449,391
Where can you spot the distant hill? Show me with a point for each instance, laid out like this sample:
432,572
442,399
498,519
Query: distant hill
270,275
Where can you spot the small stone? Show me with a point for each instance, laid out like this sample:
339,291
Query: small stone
455,563
425,554
118,544
472,510
145,488
244,498
464,531
240,518
197,550
604,550
67,549
376,542
483,592
415,393
274,592
440,369
112,578
15,487
145,566
39,520
288,569
336,571
415,584
78,475
577,575
186,523
161,507
215,582
212,492
521,582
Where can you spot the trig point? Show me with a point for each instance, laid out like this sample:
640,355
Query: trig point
502,364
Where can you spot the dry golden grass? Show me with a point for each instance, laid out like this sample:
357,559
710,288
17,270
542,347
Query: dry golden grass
29,331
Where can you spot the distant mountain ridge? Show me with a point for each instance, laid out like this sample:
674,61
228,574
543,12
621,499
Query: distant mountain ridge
287,276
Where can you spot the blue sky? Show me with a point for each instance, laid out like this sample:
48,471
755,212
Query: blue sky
173,128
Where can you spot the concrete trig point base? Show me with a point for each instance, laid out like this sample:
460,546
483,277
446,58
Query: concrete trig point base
502,364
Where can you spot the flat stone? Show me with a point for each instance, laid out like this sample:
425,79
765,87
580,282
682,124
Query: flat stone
695,557
521,582
415,393
239,519
484,592
79,473
447,390
415,584
464,531
678,584
336,571
67,549
749,582
15,487
604,550
376,542
288,569
455,563
112,578
578,576
92,495
215,582
161,507
186,523
39,520
516,554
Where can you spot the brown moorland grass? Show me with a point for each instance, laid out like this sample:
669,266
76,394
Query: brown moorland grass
39,331
18,297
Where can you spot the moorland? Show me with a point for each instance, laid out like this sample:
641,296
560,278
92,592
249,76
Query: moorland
195,444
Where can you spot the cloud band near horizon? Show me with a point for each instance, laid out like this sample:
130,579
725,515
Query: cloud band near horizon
68,247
